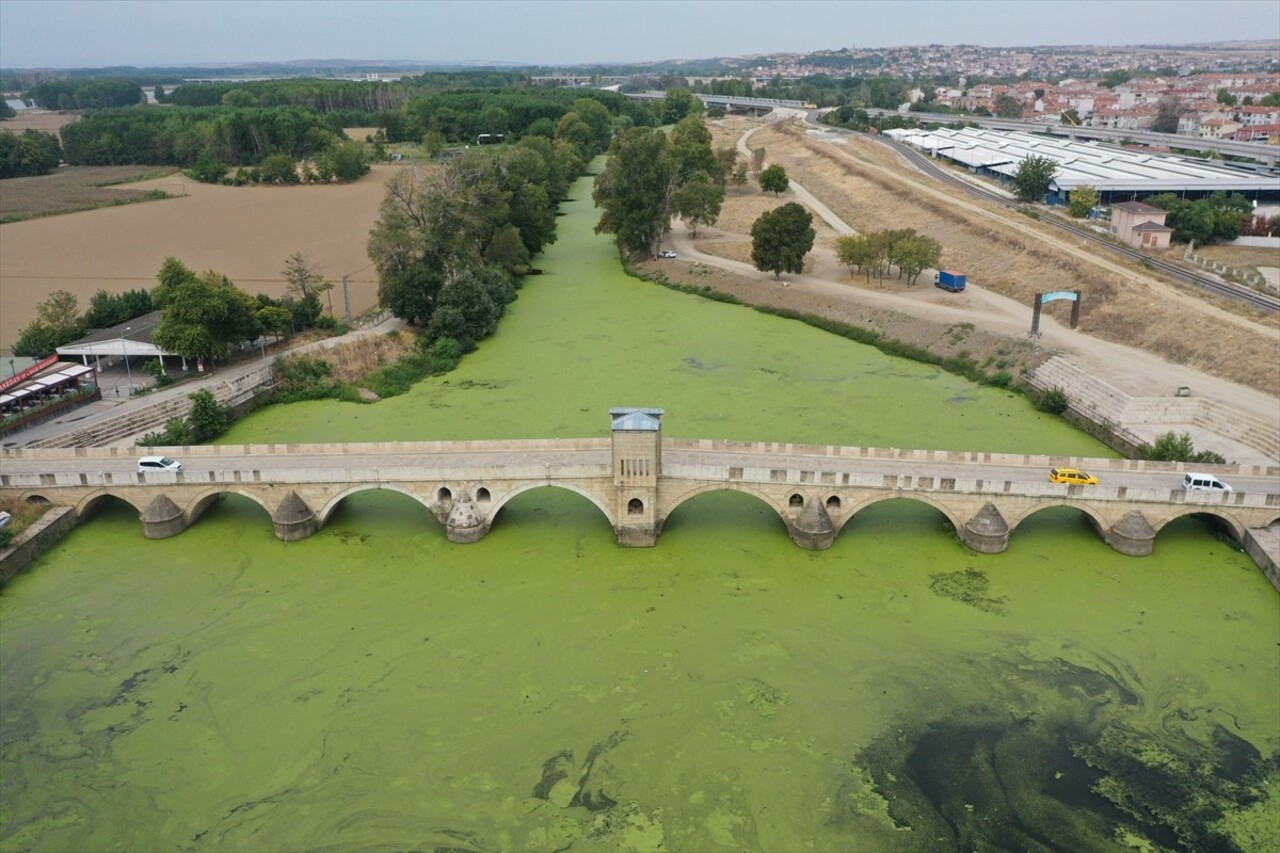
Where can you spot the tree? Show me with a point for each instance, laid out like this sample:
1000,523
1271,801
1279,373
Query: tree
57,322
305,285
691,148
1271,99
1007,106
914,253
1168,111
1226,98
1083,199
1033,177
1172,447
433,142
635,191
208,418
342,161
774,180
274,320
278,169
1116,77
106,310
699,201
856,251
508,251
202,313
780,238
470,306
239,98
28,154
679,103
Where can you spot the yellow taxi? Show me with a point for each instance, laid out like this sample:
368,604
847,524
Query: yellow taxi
1072,476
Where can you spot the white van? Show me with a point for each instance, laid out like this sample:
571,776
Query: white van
1197,482
157,463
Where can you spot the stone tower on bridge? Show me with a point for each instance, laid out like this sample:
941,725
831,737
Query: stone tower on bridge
637,465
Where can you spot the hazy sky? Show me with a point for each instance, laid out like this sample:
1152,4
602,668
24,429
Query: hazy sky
75,33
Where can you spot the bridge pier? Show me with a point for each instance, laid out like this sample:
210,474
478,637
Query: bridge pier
1132,535
163,518
812,529
637,535
293,519
987,532
464,523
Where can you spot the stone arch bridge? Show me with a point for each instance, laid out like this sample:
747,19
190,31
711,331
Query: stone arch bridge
637,479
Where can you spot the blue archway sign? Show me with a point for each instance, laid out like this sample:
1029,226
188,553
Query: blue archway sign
1072,295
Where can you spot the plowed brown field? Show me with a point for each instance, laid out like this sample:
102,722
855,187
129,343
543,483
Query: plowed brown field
245,233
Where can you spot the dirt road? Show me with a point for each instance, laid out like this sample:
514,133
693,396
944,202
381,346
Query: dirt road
1134,371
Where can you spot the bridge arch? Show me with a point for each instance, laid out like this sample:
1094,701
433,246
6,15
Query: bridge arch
86,505
871,500
1099,522
323,513
204,499
674,503
1231,522
497,503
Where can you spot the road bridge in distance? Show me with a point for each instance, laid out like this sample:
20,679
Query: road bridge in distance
731,103
637,479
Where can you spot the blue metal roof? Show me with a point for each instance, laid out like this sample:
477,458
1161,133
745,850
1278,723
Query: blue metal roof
636,420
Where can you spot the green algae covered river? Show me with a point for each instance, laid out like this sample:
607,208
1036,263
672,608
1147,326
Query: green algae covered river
377,688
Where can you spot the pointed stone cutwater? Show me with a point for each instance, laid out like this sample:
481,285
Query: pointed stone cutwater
162,519
812,528
465,523
293,519
987,532
1132,535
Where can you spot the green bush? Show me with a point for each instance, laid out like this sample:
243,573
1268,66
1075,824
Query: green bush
331,325
1171,447
6,536
1054,401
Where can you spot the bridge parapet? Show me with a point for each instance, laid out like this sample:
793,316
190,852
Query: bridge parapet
637,482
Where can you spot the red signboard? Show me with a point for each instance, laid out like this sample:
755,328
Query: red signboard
24,375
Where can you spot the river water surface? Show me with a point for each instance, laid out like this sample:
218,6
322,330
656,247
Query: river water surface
377,688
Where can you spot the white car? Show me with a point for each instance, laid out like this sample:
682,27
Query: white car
666,253
1194,481
158,463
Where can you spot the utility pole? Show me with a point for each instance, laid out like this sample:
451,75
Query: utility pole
346,301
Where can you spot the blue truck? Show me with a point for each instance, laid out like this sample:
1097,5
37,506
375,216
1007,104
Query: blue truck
949,280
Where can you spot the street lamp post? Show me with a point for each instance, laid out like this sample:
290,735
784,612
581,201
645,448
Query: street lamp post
124,348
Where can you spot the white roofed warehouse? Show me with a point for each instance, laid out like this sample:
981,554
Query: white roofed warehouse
1118,174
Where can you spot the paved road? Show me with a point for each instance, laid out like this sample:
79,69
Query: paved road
365,463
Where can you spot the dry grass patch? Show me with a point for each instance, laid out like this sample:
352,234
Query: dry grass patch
1018,257
352,359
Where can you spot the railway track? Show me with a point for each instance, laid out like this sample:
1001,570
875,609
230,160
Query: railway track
1221,288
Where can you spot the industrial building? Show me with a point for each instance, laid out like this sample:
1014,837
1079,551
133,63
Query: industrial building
1118,174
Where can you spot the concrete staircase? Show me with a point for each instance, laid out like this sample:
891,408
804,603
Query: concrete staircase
143,416
1107,405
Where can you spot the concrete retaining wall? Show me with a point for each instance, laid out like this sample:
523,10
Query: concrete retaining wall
36,539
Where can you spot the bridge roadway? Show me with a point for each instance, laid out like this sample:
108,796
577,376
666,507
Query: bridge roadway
637,480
